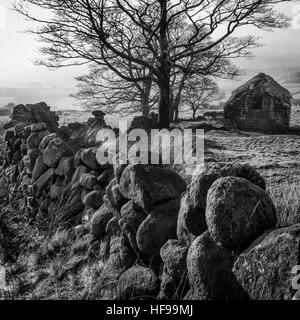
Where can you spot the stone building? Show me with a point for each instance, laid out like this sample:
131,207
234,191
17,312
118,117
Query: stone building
260,104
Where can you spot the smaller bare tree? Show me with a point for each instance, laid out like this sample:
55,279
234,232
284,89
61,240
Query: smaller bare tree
101,88
198,92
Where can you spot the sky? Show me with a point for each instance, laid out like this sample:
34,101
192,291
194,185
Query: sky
21,81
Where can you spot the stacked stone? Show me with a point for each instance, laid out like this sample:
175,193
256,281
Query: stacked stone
138,216
93,177
222,212
33,113
86,135
158,238
146,123
99,115
52,172
142,220
23,136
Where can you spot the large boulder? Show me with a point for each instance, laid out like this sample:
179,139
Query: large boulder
38,127
93,199
244,171
17,157
81,170
105,177
42,182
131,218
39,168
148,186
56,191
119,166
210,271
265,269
121,257
21,132
88,181
9,134
118,169
98,114
17,145
174,283
66,168
55,151
238,212
200,184
32,156
99,221
46,140
296,297
191,221
137,283
10,124
158,228
88,157
173,255
114,195
202,180
77,158
36,138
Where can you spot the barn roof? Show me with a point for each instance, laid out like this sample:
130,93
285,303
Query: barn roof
267,85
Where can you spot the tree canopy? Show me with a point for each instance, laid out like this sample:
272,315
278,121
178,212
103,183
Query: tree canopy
118,32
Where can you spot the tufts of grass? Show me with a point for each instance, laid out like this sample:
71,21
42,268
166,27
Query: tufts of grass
286,197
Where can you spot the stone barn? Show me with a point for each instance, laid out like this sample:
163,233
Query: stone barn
260,104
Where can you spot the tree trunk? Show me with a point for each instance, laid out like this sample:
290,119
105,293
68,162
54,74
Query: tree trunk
164,104
178,98
176,108
145,106
176,115
145,95
194,114
164,70
172,110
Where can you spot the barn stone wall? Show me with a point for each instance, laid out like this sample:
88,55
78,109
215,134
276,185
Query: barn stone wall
273,116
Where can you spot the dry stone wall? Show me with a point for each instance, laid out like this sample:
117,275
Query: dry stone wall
156,236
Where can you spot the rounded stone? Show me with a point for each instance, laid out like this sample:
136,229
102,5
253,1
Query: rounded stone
99,221
210,271
158,228
88,181
88,157
238,212
93,199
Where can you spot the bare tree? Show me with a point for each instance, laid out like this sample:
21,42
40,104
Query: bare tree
106,31
220,68
198,93
102,88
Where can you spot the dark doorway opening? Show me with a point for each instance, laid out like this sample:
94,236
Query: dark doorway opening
257,102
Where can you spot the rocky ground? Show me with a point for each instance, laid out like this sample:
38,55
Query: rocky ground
71,228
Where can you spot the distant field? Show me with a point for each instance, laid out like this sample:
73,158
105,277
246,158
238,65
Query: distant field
82,116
